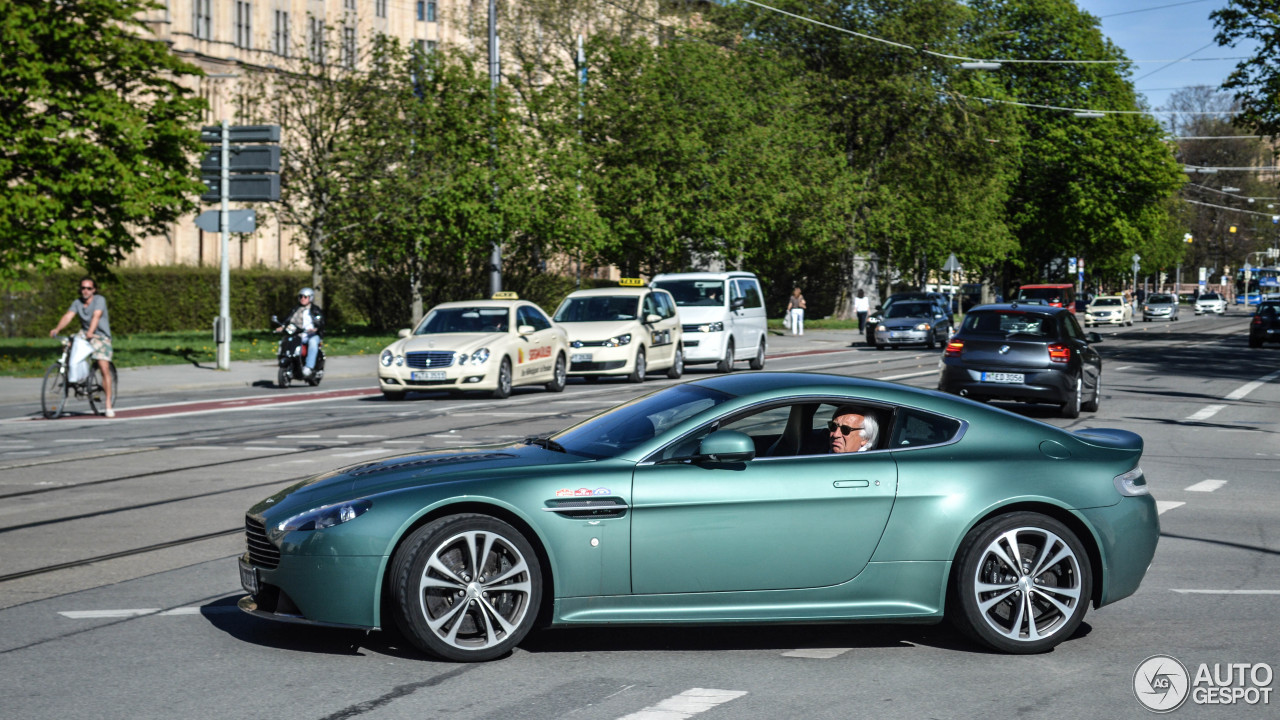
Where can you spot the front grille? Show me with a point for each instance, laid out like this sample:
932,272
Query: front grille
690,328
430,359
590,343
261,552
596,366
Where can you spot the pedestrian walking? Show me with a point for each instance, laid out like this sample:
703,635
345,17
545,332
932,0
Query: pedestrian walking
795,312
861,306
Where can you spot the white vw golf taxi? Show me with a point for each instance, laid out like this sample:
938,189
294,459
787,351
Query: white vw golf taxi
491,345
629,331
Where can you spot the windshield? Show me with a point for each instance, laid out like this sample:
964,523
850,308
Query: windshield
1010,322
616,431
464,320
597,309
908,309
1210,296
1161,300
694,293
1107,302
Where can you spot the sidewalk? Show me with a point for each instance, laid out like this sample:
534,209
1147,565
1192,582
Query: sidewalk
262,373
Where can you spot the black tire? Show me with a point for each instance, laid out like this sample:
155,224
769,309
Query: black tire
639,372
496,616
677,365
726,363
97,391
880,346
393,396
283,377
1004,625
559,376
757,362
933,341
1071,408
1092,405
53,392
504,380
314,380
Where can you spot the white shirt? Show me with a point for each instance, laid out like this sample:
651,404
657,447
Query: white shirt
861,304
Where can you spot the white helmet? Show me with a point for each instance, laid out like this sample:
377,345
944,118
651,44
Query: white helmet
306,292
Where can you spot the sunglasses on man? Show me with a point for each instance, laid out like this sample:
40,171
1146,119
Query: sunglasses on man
844,429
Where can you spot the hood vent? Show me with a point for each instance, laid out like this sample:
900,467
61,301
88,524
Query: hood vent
378,467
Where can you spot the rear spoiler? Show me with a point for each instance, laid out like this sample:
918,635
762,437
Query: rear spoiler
1111,438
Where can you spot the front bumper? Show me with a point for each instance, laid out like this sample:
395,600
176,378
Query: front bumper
599,360
317,590
1216,309
455,377
888,336
1157,314
1111,318
1039,384
704,347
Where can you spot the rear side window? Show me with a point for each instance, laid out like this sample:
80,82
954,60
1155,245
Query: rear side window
751,291
915,428
1010,322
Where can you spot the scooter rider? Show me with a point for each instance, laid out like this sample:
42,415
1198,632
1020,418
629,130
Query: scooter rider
309,320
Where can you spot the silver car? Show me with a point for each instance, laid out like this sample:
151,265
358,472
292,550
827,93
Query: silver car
1160,306
1211,303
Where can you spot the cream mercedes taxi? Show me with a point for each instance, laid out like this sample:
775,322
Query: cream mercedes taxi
489,345
630,331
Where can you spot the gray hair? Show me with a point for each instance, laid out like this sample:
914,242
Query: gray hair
870,428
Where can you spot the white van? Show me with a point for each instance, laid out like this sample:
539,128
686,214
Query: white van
722,314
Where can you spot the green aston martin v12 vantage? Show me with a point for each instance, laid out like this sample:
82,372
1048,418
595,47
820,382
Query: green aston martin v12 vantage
721,501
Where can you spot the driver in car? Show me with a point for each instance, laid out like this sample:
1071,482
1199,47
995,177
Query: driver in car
852,430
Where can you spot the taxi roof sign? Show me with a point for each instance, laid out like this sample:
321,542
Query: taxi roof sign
631,282
505,295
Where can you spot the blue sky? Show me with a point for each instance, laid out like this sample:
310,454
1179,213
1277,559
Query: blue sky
1166,30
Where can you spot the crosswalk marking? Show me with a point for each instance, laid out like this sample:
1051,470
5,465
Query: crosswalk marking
1205,413
1206,486
1185,591
1164,506
686,704
817,653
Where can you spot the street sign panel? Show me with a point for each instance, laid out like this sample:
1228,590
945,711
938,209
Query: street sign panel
244,159
239,221
952,264
241,133
1071,265
250,188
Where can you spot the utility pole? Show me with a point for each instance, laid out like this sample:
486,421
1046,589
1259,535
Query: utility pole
223,335
582,84
495,257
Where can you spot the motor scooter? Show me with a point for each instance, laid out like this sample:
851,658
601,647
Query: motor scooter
291,355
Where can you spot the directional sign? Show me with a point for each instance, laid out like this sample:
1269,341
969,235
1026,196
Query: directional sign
244,159
239,221
1071,265
260,188
952,264
241,133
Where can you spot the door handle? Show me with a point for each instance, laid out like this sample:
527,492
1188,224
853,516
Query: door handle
851,483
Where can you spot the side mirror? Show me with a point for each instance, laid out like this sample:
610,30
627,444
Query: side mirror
1093,337
525,330
727,446
404,333
737,303
651,318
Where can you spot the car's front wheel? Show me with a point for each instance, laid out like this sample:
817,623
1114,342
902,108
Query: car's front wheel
1022,583
559,376
504,380
757,362
639,372
726,363
677,365
466,587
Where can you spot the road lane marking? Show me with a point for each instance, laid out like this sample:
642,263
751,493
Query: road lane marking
686,704
1126,367
1206,412
1185,591
141,612
358,453
78,440
295,437
374,437
908,375
402,442
1206,486
1240,392
1164,506
817,653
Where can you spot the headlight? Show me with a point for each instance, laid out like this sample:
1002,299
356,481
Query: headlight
385,358
478,357
1146,308
711,327
399,360
618,341
922,326
881,329
1132,483
326,517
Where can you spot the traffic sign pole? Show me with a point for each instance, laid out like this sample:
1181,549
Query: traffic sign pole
223,331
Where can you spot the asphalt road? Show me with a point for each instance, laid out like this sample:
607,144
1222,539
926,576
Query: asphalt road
118,579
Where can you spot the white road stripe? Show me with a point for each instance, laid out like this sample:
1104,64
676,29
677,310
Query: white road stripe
1164,506
817,653
362,436
1126,367
295,437
686,704
1206,412
1225,592
908,375
1206,486
358,453
78,440
139,612
402,442
1240,392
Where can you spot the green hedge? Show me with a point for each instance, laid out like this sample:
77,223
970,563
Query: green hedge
158,299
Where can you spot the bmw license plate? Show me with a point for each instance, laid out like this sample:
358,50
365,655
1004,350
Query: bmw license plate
996,377
249,578
427,375
580,357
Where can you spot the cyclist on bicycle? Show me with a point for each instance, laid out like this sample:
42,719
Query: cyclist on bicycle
95,327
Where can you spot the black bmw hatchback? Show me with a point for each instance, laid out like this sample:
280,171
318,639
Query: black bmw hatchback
1031,353
1265,324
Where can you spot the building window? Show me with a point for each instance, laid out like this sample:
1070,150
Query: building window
244,24
380,8
280,38
202,19
431,10
348,46
315,39
422,10
426,47
349,5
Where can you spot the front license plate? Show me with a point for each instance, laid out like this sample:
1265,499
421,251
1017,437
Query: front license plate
580,357
895,334
1003,377
427,375
249,578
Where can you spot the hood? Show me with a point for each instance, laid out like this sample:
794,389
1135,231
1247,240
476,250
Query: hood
452,342
592,331
699,315
902,323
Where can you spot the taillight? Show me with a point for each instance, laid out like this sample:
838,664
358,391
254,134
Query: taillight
1257,320
1059,353
953,348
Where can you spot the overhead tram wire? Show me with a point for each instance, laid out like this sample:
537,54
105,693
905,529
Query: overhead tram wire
1227,207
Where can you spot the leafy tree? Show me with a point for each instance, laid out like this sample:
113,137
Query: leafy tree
1257,79
97,135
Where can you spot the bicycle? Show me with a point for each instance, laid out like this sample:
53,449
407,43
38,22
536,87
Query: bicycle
56,390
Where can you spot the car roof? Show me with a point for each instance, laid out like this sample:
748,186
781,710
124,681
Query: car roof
1021,307
483,303
703,275
615,292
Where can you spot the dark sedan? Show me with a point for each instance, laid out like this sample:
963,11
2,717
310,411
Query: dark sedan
1031,353
913,295
912,322
1265,325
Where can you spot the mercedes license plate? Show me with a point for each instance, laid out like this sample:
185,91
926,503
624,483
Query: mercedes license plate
580,357
249,578
996,377
427,375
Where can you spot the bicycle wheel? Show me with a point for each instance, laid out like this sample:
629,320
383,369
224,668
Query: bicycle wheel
97,393
53,393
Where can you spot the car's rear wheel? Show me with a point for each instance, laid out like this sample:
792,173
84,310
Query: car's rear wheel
639,372
677,365
1023,583
504,380
726,363
466,587
559,376
1092,405
1071,408
757,362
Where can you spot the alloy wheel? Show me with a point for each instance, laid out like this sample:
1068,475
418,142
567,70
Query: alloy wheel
1028,584
475,590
